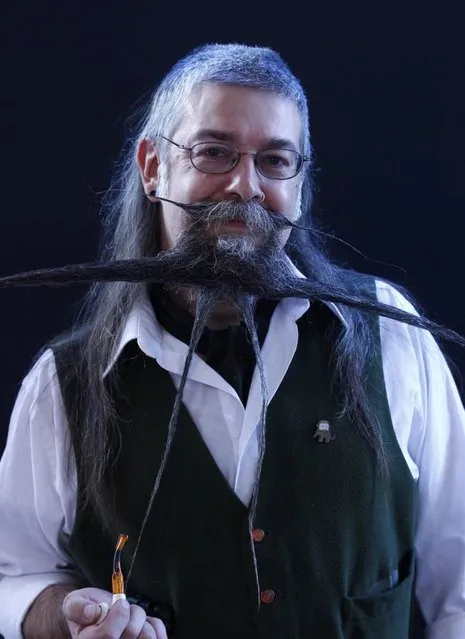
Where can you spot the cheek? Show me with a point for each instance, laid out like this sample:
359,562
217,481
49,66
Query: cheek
191,185
172,225
285,199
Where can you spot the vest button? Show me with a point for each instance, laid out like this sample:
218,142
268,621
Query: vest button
258,534
267,596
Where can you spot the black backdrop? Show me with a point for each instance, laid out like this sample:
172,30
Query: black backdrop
387,93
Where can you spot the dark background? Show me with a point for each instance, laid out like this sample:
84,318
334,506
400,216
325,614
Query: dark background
387,95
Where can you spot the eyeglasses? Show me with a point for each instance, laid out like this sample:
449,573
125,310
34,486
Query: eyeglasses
218,157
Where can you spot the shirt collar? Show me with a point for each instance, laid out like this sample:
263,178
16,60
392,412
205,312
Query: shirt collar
143,326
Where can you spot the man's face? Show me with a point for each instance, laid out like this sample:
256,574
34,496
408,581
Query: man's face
248,119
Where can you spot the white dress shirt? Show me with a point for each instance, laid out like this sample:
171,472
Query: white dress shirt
38,498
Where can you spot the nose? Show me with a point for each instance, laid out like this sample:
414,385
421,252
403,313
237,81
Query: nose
244,182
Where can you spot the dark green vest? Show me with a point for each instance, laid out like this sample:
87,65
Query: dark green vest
336,560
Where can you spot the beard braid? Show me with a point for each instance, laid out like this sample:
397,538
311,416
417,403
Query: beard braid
247,307
156,270
205,302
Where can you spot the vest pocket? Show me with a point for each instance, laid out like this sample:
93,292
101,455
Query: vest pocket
382,616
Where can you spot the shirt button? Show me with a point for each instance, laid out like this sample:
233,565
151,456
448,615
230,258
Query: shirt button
258,534
267,596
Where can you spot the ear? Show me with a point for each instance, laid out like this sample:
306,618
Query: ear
148,162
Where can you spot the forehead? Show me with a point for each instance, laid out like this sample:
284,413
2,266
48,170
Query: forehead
246,116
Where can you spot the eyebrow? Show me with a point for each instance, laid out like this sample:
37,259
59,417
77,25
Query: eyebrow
228,136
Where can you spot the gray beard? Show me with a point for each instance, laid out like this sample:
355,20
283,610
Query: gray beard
224,261
237,246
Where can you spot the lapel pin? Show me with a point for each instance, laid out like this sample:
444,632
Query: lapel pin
323,432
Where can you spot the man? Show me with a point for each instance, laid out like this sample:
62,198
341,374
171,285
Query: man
305,479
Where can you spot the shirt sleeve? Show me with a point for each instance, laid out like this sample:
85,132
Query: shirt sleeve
37,497
432,434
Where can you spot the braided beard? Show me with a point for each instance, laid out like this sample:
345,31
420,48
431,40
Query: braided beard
256,256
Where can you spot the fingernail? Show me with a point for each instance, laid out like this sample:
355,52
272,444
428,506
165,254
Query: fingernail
90,611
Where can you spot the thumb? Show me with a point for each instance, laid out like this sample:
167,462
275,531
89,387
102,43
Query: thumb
80,610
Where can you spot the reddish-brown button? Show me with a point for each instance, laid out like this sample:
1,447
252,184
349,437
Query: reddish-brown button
267,596
258,534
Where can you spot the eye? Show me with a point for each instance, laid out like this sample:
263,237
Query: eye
276,158
213,151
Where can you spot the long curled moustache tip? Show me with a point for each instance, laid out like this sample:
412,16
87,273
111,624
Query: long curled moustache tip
199,208
193,208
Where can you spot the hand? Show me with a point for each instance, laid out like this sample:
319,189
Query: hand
81,611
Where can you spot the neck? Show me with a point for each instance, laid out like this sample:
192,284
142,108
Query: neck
224,314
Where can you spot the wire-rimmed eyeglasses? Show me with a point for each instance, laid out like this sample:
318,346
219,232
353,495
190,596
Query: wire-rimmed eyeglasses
220,157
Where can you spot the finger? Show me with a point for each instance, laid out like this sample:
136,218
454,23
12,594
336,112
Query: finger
135,624
147,632
116,621
158,626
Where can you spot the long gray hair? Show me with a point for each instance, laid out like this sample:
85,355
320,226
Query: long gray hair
130,231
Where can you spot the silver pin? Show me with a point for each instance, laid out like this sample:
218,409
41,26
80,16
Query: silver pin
323,432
